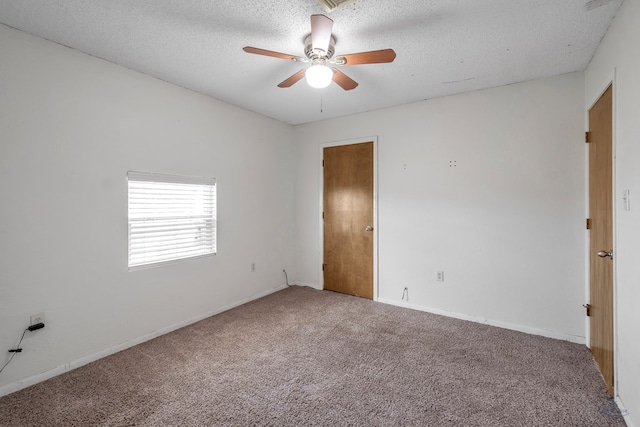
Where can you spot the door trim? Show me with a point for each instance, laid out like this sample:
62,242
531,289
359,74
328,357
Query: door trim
362,140
611,80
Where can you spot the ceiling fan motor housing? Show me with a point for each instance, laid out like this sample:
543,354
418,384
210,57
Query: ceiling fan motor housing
318,53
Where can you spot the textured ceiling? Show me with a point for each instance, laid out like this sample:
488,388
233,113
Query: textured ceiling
443,47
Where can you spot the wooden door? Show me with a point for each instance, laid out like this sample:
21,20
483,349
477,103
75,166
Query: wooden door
348,219
601,234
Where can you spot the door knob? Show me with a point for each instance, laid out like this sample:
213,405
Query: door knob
368,228
605,254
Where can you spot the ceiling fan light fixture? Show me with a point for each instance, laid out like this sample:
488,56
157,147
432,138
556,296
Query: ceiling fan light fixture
319,48
319,76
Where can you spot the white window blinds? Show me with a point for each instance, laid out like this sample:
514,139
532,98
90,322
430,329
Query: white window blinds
170,218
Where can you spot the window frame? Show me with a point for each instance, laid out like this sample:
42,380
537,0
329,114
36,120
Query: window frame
158,178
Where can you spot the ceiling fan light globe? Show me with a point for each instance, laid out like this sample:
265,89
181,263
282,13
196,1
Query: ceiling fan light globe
319,76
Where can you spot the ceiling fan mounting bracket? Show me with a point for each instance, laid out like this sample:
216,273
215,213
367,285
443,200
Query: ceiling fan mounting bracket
318,53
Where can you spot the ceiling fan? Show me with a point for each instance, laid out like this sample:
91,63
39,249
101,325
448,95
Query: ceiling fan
319,47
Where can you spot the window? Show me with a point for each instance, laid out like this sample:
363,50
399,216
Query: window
170,218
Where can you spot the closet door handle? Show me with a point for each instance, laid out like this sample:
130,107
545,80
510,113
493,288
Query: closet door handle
605,254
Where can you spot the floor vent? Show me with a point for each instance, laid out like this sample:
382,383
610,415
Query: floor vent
331,5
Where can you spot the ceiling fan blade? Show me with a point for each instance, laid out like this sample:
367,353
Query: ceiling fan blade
265,52
344,81
321,28
293,79
372,57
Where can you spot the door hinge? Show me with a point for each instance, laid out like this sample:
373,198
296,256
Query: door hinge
323,215
588,223
322,162
323,266
587,137
588,308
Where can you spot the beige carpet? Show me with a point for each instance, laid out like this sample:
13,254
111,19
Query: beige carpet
304,357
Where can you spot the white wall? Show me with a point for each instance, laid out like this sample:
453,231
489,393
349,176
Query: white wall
71,126
506,225
618,51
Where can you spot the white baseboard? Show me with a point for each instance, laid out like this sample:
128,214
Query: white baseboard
624,412
35,379
526,329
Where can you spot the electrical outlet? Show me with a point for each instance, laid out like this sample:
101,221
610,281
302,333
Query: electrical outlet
37,318
440,276
253,267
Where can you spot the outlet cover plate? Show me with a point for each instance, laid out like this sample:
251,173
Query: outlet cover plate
37,318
